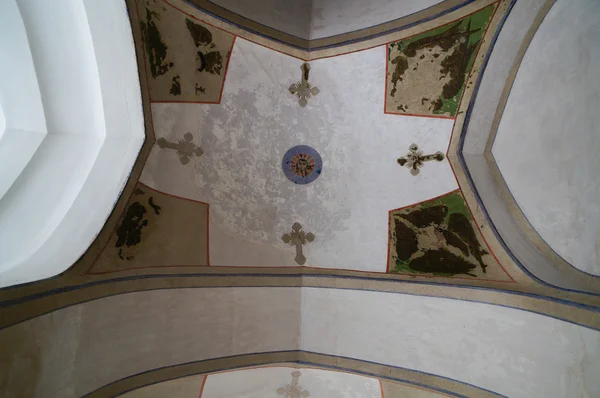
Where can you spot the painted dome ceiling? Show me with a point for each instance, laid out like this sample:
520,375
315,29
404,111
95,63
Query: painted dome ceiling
243,132
332,158
313,165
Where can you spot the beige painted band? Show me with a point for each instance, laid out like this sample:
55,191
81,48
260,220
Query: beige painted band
15,314
294,359
310,44
439,14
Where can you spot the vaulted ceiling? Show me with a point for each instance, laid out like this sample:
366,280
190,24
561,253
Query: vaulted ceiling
400,191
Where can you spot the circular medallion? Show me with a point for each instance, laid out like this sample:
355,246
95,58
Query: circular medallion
302,164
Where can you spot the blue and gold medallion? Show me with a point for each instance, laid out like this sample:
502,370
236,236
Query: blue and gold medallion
302,164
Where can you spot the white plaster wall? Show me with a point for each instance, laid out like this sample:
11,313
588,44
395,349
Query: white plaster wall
549,135
496,73
85,67
73,351
334,17
244,138
264,382
511,352
22,121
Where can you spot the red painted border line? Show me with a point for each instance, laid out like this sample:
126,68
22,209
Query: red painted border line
227,67
426,200
171,195
417,115
202,386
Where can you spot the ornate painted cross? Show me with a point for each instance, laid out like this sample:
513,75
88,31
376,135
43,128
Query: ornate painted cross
415,159
186,148
303,89
298,238
293,390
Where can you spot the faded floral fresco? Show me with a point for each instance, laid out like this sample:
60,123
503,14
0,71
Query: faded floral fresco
186,58
252,203
427,73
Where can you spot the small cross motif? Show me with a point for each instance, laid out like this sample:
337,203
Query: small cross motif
293,390
415,159
298,238
186,148
303,89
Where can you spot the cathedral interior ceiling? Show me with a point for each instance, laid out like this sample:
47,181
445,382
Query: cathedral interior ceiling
333,162
264,168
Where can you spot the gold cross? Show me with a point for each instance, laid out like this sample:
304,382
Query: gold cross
298,238
186,148
415,159
293,390
303,89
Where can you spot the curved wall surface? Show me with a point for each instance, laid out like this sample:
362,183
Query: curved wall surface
74,125
155,299
311,20
484,179
547,141
74,351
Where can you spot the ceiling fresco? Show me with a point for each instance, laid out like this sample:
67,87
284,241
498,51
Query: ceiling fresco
186,60
315,217
439,237
255,197
349,205
154,228
427,72
263,159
